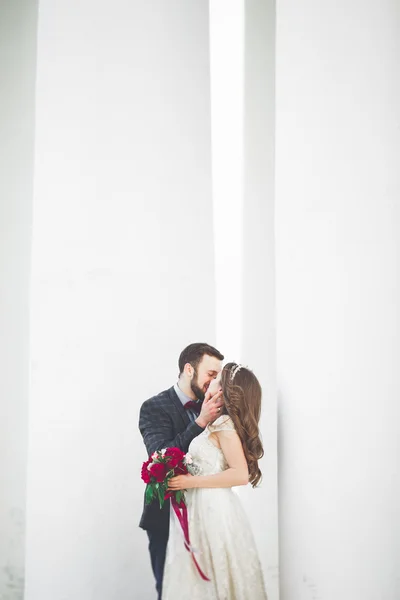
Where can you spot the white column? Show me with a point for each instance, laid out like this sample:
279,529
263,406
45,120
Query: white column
258,287
123,274
17,90
227,104
242,85
338,228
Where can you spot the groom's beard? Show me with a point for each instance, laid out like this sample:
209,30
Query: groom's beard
197,391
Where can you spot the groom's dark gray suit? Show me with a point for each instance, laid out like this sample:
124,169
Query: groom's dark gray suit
163,423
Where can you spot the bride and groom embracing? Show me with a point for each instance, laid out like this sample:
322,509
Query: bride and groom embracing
213,412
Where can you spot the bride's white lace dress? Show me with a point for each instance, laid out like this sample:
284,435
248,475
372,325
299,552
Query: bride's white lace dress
220,534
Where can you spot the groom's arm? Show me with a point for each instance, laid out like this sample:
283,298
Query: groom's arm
156,428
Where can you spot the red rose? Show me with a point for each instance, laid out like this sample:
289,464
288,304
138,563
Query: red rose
173,456
145,471
181,470
158,471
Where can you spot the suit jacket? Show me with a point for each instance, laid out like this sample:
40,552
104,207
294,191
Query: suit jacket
164,423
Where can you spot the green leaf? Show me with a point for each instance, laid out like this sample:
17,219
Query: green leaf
160,492
178,496
149,494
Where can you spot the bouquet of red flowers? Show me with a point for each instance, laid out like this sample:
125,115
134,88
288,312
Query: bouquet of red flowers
156,473
158,470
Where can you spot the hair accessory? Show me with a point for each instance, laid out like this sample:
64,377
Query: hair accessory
235,370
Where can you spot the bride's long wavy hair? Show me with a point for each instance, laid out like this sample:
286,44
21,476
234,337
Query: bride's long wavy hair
242,398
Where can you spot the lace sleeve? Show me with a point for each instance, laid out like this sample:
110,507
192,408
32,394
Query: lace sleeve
223,423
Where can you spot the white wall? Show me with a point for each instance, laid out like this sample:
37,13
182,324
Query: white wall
123,274
337,230
17,74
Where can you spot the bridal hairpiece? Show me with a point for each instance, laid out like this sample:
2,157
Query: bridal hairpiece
234,370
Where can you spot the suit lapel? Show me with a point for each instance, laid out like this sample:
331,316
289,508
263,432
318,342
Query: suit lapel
179,407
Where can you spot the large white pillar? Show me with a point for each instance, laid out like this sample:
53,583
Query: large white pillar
227,18
258,281
337,234
242,77
123,275
17,91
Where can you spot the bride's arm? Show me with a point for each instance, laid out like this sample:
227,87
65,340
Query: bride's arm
236,474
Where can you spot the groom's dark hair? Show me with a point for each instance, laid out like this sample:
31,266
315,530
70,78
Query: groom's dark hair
194,353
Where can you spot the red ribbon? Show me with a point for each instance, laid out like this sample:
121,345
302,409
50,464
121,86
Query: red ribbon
183,520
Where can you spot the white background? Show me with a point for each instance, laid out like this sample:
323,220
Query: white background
123,277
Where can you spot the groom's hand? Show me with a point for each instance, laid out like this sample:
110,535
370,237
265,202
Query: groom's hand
210,410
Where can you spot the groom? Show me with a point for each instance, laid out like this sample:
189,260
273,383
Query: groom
174,418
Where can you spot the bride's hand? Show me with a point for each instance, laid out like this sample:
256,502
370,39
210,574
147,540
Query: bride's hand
181,482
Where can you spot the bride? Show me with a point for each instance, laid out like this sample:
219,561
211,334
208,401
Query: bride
225,455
